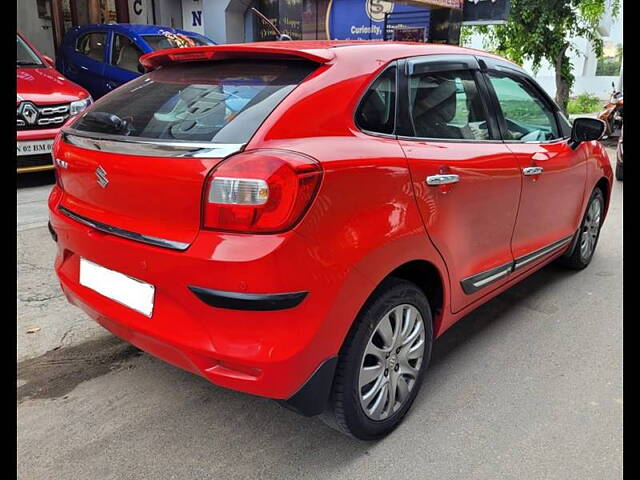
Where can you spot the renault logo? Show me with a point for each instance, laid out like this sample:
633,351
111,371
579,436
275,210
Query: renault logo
29,112
101,175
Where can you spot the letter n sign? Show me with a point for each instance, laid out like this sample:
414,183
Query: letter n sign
196,17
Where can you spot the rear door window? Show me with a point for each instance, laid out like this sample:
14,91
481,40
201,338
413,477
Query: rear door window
92,45
221,102
174,40
125,54
447,105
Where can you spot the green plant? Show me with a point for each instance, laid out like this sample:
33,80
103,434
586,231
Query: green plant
583,103
541,30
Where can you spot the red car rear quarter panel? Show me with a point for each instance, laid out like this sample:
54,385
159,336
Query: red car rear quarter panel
364,218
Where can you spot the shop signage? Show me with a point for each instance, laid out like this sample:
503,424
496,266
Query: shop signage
485,12
443,3
363,19
192,16
410,34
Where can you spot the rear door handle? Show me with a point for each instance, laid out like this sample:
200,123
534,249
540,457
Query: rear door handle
435,180
532,171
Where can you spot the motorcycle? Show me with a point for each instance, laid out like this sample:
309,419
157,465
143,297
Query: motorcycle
612,114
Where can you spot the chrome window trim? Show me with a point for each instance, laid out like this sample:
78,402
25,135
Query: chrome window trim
152,147
138,237
447,140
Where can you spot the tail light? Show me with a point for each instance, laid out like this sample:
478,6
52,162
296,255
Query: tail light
55,148
262,191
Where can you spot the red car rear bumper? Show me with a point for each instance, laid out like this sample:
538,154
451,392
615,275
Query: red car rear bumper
268,353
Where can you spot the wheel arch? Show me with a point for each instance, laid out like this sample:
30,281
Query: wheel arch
428,278
604,185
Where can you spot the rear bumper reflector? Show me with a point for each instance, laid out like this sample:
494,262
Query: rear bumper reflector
248,301
53,233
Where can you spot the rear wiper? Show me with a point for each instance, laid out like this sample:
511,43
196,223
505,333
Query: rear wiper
111,122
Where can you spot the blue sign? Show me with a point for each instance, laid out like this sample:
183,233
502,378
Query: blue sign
364,19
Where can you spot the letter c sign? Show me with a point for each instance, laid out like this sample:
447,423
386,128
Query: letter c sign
137,7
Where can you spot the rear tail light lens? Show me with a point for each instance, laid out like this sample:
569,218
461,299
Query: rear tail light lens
55,148
263,191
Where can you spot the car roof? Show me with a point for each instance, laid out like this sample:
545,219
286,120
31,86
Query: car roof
133,28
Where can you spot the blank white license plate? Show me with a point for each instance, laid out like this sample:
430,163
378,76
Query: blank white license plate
35,147
128,291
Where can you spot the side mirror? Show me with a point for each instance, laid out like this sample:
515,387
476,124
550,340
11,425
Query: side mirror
49,61
586,129
141,68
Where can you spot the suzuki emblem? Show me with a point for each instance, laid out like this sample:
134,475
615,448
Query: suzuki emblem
101,174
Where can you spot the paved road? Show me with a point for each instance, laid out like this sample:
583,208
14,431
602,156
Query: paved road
32,194
527,387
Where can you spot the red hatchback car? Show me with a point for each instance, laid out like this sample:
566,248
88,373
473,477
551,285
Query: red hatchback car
300,220
45,100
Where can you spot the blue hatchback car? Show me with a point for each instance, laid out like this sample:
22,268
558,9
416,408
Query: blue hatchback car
103,57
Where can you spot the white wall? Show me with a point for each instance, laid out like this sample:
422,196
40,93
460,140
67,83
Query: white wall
598,86
169,13
223,20
37,30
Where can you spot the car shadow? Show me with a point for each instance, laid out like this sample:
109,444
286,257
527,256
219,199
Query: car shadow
496,310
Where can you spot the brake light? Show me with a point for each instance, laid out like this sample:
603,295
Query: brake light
262,191
188,56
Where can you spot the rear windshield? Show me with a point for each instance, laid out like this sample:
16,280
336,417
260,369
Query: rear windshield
174,40
221,102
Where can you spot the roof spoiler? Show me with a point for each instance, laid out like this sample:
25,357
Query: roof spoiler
284,50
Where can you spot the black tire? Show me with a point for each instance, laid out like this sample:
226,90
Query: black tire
575,259
345,412
619,172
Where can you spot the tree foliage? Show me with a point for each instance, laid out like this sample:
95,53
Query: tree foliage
540,30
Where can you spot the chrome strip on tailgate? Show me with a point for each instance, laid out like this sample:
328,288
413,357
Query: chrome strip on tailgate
104,142
138,237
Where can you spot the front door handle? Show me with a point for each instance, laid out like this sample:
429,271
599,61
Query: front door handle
435,180
532,171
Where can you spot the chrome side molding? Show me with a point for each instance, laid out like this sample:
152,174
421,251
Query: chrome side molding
526,259
475,282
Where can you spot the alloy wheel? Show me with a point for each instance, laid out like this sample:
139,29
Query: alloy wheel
590,229
391,362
